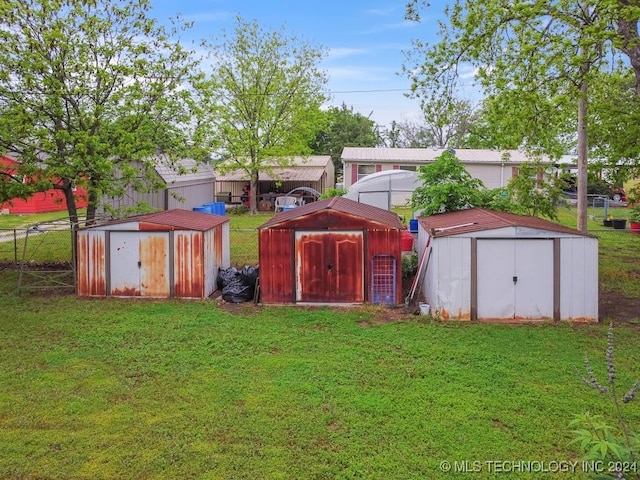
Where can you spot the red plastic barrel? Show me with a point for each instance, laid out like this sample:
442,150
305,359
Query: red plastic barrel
406,241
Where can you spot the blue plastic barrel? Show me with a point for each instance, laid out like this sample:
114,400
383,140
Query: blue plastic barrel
413,225
201,209
216,208
219,208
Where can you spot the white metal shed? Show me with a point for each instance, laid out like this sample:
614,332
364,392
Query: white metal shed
487,265
174,253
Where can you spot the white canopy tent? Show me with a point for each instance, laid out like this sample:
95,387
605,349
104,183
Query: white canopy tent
384,189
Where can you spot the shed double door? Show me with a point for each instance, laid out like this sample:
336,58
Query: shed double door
515,278
329,267
139,264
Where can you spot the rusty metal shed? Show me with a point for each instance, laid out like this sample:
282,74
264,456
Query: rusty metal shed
174,253
488,265
333,251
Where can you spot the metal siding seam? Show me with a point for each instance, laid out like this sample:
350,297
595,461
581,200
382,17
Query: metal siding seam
474,279
556,279
107,262
172,270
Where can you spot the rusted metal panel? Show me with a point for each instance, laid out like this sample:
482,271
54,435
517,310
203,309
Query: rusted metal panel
91,269
276,266
329,267
188,264
383,242
216,255
124,265
154,264
139,264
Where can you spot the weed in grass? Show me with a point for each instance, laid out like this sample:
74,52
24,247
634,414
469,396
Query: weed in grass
616,449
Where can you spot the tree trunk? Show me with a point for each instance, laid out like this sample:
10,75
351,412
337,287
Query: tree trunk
67,190
253,194
92,203
628,30
582,157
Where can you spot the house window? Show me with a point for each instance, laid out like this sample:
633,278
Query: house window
364,170
409,168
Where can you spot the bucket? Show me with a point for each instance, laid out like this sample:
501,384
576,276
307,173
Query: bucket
424,308
406,241
201,209
619,223
413,225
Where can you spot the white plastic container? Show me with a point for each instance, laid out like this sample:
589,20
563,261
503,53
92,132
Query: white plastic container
424,308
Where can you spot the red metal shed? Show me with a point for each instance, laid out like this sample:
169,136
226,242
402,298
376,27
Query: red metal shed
174,253
331,251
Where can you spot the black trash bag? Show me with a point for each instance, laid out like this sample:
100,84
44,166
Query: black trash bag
251,274
225,276
238,286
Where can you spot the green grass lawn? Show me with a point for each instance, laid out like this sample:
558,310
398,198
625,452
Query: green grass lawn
108,388
169,389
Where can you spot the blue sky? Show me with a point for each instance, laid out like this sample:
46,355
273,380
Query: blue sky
365,42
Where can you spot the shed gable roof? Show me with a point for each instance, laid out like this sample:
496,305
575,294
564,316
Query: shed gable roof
183,170
338,204
480,219
175,219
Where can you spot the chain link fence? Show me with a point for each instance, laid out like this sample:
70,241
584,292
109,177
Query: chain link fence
42,252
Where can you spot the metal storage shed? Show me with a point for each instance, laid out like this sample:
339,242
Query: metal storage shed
486,265
184,184
331,251
174,253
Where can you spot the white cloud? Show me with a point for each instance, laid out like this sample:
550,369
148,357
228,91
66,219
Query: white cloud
368,74
342,52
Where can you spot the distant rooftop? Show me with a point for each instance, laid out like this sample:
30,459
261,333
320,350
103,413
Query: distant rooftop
419,155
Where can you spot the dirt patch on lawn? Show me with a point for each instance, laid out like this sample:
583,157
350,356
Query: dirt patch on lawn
615,306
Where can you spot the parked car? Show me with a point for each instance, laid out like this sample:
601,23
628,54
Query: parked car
595,187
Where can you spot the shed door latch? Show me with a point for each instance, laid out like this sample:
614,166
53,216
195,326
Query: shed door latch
515,279
329,267
140,265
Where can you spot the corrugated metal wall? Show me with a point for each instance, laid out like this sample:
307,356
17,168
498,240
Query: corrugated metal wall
277,284
277,249
578,276
130,198
91,266
187,196
180,263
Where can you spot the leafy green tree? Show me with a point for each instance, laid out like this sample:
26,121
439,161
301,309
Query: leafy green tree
86,90
524,52
261,101
502,125
344,128
614,125
446,187
528,193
